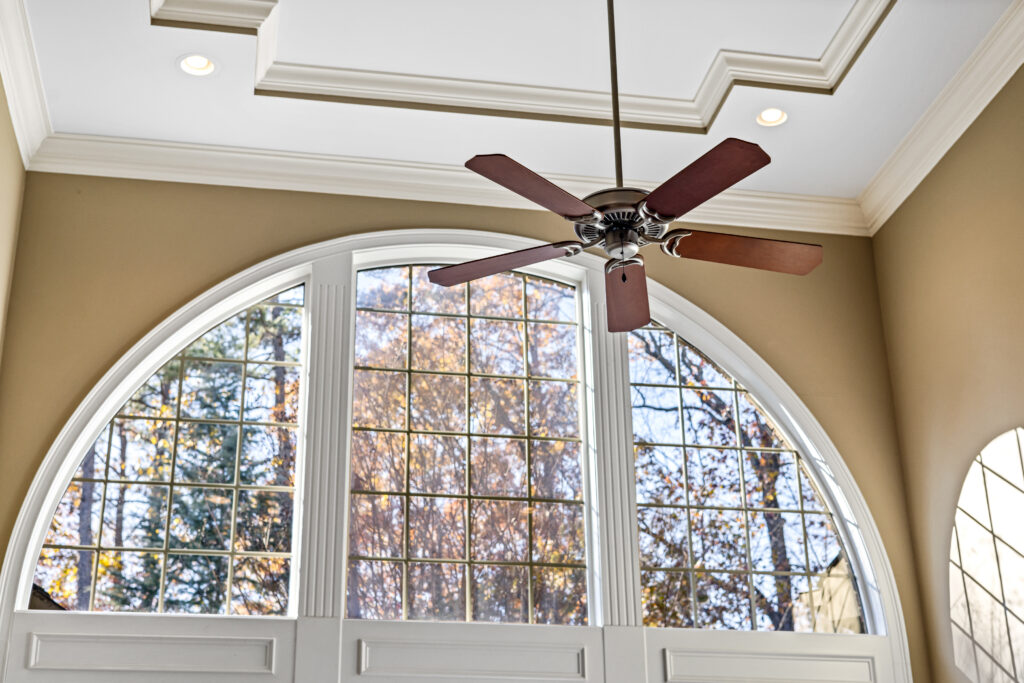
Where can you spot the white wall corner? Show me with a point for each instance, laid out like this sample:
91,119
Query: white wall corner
963,99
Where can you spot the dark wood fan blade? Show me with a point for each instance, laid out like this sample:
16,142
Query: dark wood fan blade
471,270
628,308
524,182
721,168
795,258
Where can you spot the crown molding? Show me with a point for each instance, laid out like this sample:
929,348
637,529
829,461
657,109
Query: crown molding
236,166
989,68
21,80
729,67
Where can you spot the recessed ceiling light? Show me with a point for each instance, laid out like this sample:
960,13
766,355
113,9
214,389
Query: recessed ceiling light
772,117
197,65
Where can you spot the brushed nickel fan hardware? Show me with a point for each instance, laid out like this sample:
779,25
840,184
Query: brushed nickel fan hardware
622,220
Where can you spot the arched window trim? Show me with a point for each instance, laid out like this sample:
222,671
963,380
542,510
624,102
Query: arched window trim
334,263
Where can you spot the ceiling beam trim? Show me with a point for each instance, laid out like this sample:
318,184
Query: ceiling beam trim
22,81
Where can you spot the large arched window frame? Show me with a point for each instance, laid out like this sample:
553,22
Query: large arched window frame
305,645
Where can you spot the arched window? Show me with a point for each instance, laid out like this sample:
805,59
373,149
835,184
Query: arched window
986,565
467,455
184,501
733,534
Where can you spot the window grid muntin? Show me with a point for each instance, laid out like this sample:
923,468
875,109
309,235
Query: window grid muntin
175,419
409,311
1007,613
733,388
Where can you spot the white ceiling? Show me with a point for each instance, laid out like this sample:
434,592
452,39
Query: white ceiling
107,71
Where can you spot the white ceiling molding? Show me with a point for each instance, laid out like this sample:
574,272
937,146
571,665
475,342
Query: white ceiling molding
219,165
21,80
244,14
987,71
728,68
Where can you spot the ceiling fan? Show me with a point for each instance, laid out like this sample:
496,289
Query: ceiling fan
621,220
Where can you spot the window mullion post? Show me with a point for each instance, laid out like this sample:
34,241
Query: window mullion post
323,471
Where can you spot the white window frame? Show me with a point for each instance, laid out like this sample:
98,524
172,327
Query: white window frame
315,643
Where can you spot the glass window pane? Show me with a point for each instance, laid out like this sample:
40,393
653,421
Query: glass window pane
196,584
756,430
374,590
438,403
211,390
437,528
1011,566
958,599
1002,455
141,450
710,417
499,466
697,371
973,499
66,575
988,617
378,461
553,351
714,477
275,334
554,409
135,516
268,455
375,527
499,296
500,530
378,399
557,470
264,521
259,585
382,340
272,393
77,519
560,596
438,343
127,582
652,357
94,464
547,300
719,539
201,518
823,549
437,591
497,406
836,608
295,296
500,593
227,341
206,452
1006,502
777,542
496,347
158,397
437,464
666,598
656,415
723,600
660,475
771,480
781,603
558,534
664,538
430,298
383,288
812,501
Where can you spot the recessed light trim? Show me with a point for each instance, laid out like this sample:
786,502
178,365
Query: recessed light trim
772,116
197,65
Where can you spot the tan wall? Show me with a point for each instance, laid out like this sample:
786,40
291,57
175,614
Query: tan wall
951,276
12,182
101,261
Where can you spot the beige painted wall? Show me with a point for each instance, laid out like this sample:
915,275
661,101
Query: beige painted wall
951,276
12,182
101,261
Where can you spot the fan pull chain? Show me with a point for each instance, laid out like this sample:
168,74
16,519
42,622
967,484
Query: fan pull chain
615,95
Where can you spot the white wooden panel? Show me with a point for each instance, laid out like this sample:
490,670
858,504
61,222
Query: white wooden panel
683,666
396,651
91,648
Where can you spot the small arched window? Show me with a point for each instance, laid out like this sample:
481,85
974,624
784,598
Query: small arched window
986,565
184,501
733,534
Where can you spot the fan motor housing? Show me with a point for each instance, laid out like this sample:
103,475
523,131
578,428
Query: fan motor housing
623,228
